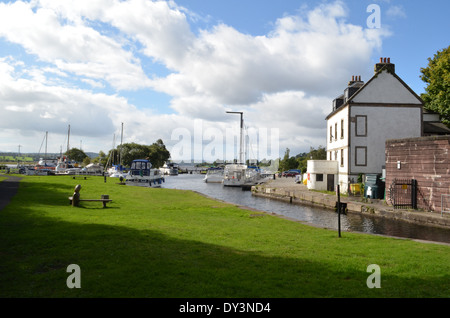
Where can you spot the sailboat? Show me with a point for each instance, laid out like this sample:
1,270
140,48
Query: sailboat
234,174
64,165
116,170
45,166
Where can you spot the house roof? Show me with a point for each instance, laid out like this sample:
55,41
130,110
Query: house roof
365,85
435,128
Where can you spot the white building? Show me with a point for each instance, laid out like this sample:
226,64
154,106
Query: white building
365,116
322,174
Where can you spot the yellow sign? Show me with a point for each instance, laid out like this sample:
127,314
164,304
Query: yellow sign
404,186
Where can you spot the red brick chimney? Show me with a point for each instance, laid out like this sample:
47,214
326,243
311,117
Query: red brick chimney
385,63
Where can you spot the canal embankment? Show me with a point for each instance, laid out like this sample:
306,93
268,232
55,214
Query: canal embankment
285,189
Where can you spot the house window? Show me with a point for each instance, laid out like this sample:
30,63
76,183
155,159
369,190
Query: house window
342,129
331,135
342,157
319,177
361,126
335,131
360,156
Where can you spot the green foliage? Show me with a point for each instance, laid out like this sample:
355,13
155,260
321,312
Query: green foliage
314,154
76,154
288,162
86,161
437,76
300,160
156,153
9,158
101,159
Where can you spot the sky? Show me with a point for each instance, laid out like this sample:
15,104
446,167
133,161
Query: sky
171,70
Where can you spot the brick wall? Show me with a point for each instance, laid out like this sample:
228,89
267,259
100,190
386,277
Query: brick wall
425,159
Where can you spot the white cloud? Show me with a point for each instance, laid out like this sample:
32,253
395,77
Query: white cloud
396,12
70,45
285,79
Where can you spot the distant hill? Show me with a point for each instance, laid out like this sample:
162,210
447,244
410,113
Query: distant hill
13,156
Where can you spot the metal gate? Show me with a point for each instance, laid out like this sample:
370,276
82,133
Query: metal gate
403,193
445,204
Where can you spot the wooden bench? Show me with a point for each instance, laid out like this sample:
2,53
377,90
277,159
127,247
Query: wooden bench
75,199
74,203
104,201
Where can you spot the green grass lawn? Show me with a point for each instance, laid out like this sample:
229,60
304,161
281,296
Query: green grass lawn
173,243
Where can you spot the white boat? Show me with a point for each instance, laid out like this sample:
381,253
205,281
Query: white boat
49,163
32,171
64,166
93,169
214,175
234,175
169,168
142,174
252,175
116,171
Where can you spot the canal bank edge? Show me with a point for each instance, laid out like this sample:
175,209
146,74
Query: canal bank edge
287,190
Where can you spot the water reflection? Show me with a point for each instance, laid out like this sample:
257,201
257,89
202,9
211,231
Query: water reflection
313,215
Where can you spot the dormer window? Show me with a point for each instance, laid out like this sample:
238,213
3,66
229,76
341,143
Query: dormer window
338,102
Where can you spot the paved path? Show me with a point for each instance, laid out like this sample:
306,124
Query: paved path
287,187
8,189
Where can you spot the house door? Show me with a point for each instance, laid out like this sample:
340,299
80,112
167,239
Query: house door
330,182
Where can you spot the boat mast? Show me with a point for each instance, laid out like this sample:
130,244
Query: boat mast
46,138
120,152
241,153
68,137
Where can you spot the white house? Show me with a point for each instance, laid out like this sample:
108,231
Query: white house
365,116
322,174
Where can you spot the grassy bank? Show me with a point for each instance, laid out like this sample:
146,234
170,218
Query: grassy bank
175,243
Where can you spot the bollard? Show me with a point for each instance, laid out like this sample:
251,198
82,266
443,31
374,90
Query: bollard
76,195
339,208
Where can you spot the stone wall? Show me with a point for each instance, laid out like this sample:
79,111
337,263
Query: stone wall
425,159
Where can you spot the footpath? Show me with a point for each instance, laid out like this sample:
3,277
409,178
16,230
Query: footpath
8,189
285,189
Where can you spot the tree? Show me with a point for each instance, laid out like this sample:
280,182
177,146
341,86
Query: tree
76,154
156,153
314,154
288,162
86,161
437,76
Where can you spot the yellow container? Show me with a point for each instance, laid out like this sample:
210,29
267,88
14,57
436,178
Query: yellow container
355,187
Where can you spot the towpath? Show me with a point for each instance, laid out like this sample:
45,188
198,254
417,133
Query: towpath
287,190
8,189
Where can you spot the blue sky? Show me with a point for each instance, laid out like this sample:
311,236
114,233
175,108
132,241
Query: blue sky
171,69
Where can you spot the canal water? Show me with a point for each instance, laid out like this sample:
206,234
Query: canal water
316,216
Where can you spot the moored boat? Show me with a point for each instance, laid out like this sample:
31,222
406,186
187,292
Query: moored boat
169,168
234,175
214,175
142,174
116,171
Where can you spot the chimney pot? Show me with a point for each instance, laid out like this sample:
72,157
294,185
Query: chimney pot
353,78
389,60
381,60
